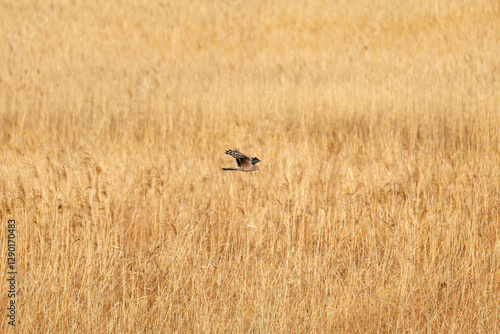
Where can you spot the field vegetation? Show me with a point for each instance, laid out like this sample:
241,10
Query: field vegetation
377,203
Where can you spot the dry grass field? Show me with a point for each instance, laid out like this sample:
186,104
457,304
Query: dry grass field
377,203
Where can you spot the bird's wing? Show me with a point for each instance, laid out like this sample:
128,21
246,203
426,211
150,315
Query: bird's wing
241,159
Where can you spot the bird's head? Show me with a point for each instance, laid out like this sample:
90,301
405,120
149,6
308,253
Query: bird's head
255,160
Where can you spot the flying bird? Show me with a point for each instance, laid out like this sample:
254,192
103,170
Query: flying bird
245,163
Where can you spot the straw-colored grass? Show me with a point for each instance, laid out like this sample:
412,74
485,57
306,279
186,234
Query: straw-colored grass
377,203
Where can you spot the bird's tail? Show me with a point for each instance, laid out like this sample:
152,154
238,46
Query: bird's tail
230,168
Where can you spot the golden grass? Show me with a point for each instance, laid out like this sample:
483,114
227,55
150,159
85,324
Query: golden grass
377,204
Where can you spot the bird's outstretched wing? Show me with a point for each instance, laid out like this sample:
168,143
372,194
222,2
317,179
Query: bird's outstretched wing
241,159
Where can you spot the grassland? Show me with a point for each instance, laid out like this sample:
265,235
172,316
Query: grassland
377,203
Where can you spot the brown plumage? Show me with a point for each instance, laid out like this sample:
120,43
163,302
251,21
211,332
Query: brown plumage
245,163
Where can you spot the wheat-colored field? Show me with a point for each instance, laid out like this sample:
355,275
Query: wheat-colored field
377,203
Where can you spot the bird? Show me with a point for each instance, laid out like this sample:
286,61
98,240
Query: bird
245,163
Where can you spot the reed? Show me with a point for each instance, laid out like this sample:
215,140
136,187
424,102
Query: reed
376,207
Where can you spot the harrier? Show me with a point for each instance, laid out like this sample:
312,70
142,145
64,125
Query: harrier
245,163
